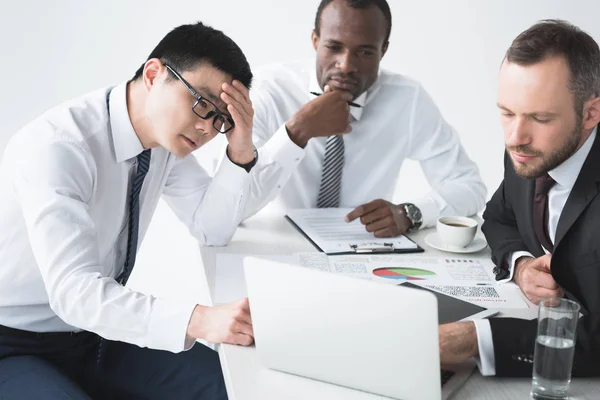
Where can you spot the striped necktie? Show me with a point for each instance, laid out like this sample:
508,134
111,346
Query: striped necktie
143,163
331,178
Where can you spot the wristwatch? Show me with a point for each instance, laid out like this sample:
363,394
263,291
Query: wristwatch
413,214
247,166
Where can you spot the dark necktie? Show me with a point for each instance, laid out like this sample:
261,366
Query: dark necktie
143,162
331,177
543,185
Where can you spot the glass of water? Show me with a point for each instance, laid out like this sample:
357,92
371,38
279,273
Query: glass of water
554,348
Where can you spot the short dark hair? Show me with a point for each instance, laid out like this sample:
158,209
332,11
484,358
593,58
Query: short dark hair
187,46
554,37
360,4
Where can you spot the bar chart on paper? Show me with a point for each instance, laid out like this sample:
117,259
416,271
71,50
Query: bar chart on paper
408,274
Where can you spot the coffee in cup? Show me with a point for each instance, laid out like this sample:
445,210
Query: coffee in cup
456,232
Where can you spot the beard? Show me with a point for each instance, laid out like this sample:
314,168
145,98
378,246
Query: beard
549,161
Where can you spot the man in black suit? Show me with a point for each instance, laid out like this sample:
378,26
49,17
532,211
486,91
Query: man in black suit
543,222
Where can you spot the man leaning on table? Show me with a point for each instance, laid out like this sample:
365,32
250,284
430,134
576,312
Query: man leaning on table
78,188
543,222
317,151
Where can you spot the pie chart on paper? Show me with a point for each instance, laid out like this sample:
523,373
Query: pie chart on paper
407,274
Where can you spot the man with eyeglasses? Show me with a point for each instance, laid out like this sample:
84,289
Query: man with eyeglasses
319,151
78,187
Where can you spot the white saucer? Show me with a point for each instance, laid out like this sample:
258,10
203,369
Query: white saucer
434,241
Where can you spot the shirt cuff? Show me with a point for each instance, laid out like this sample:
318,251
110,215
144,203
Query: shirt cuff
486,360
429,212
230,176
281,150
167,329
512,259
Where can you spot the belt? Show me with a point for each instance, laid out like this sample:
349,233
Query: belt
13,332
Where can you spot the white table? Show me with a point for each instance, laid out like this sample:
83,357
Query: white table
246,379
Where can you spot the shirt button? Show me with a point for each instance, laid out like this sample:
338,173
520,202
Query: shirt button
297,158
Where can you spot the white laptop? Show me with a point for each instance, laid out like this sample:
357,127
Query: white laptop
351,332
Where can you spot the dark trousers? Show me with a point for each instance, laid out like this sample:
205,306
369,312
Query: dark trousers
65,366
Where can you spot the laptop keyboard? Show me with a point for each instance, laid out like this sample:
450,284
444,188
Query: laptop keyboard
446,375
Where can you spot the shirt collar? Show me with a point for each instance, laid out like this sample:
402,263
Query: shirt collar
125,141
361,100
566,173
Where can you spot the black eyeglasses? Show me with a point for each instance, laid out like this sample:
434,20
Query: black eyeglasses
205,108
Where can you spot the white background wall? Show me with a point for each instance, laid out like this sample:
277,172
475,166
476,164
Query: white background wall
51,51
54,50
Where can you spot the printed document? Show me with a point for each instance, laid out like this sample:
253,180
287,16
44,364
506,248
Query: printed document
328,230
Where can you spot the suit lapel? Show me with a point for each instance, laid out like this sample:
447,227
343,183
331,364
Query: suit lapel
526,189
583,192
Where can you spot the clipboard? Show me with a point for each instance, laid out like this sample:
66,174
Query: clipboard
386,248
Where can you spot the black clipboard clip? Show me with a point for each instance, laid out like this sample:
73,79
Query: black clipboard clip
369,248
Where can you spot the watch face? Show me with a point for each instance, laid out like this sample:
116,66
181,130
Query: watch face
417,214
414,214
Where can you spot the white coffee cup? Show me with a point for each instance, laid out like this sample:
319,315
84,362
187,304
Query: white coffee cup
456,231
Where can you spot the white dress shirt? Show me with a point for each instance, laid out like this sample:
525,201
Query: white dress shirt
398,120
64,183
565,176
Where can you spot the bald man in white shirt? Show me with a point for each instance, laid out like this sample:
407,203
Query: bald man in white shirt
78,187
335,132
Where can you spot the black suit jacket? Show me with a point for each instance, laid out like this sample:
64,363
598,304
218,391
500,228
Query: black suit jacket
575,264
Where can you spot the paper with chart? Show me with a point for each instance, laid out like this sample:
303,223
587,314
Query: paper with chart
468,279
327,228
